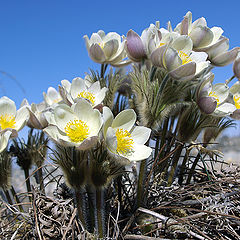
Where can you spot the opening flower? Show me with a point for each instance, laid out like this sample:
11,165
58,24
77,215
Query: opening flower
212,99
108,48
52,96
174,53
123,139
209,40
11,118
80,88
78,125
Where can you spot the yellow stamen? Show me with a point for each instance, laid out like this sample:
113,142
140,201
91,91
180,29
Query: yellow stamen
236,99
101,44
184,57
7,121
161,44
87,95
57,100
124,141
77,130
214,95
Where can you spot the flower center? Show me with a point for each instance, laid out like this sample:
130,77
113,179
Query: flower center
124,141
57,100
101,44
214,95
87,95
77,130
184,57
236,99
7,121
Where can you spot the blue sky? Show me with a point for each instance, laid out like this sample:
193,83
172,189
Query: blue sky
42,42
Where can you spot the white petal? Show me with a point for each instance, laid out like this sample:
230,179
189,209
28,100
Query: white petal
125,120
221,90
88,143
7,106
62,115
22,117
90,116
217,32
78,85
111,140
183,43
224,110
95,38
100,96
108,119
140,134
94,88
201,66
198,56
141,152
66,85
4,137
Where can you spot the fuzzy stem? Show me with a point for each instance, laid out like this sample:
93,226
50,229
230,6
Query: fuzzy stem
28,184
183,167
141,182
194,166
79,203
16,199
8,196
40,177
229,80
103,70
152,73
100,215
91,217
174,163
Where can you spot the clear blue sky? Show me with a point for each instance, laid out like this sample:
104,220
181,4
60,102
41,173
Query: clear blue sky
42,42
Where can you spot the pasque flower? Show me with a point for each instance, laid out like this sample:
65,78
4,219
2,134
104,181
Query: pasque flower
212,99
78,125
80,88
175,54
139,47
235,91
123,139
37,118
11,120
209,40
52,96
108,48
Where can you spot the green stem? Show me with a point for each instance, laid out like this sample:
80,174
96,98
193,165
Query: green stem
28,184
100,215
174,163
79,203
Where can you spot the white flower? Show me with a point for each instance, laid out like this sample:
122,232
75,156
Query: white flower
174,53
123,139
209,40
52,96
213,99
106,48
4,137
78,125
80,88
10,118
